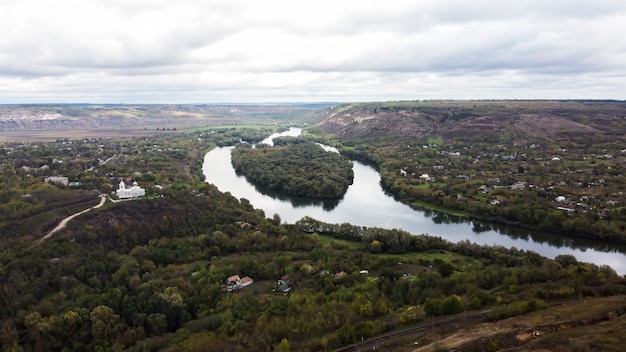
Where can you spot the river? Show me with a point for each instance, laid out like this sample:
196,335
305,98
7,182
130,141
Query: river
367,204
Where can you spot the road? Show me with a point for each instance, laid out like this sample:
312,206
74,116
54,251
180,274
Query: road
64,222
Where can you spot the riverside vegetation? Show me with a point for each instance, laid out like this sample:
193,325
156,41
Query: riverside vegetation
553,165
294,166
148,274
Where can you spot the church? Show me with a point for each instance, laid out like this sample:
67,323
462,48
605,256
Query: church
123,192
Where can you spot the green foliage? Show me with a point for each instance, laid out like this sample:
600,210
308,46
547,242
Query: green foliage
504,173
516,308
148,274
443,306
445,269
295,166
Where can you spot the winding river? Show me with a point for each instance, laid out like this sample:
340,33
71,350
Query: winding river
367,204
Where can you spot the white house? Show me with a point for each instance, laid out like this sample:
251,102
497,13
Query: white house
235,283
124,192
57,179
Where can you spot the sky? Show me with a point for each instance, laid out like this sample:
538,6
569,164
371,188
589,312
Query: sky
261,51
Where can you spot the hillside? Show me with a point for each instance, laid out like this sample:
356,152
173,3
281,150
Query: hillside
581,325
553,165
476,120
48,122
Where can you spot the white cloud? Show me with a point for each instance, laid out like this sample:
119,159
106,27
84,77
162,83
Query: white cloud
235,51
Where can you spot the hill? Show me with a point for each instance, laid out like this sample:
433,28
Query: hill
476,120
553,165
50,121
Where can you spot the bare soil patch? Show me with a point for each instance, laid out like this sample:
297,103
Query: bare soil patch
584,325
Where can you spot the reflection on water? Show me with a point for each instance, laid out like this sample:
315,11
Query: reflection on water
297,202
367,204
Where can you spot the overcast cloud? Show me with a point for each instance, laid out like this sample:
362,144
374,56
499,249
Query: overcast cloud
198,51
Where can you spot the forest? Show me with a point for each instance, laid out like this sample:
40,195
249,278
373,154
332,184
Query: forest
150,274
295,166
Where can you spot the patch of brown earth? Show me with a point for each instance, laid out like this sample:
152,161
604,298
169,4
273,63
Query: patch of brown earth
549,126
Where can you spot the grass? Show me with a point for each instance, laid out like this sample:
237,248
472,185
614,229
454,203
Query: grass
435,141
326,240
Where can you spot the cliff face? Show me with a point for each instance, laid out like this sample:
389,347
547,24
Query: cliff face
55,118
475,120
16,118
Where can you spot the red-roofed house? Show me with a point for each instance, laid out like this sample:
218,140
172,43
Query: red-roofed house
340,275
245,281
233,280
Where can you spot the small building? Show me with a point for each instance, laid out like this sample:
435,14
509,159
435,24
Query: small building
340,275
232,280
124,192
245,281
283,286
235,283
58,179
283,280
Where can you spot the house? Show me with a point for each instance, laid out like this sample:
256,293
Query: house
124,192
236,283
245,281
283,280
232,280
340,275
58,179
284,287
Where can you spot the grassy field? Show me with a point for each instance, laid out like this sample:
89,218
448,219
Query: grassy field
326,240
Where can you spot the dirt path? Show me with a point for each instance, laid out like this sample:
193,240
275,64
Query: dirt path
64,222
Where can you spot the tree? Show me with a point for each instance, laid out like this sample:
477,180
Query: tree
433,306
445,269
452,305
157,324
276,220
375,246
105,324
283,346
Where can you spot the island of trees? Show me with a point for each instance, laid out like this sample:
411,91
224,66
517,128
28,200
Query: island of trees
294,166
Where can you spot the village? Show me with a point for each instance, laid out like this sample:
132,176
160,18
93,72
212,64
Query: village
565,178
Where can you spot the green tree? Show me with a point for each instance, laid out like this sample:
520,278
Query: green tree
445,269
105,324
283,346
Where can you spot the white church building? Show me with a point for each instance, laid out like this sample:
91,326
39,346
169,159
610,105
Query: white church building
124,192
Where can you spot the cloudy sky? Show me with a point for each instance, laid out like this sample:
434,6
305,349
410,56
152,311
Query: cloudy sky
205,51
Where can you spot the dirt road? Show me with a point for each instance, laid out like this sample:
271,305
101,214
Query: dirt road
64,222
